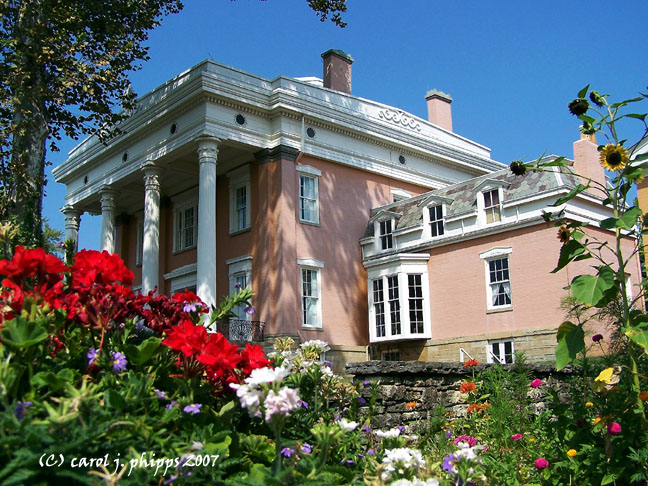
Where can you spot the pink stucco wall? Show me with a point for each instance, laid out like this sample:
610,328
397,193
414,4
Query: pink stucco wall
458,283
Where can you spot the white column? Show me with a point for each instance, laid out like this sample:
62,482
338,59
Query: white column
108,207
206,272
151,246
72,222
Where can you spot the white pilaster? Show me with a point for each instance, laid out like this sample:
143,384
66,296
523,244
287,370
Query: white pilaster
151,237
206,271
108,208
72,222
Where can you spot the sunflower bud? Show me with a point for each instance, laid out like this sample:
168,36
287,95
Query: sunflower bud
518,168
596,98
587,128
578,107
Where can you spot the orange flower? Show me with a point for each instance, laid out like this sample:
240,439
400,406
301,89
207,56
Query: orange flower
410,405
468,387
470,363
477,407
643,396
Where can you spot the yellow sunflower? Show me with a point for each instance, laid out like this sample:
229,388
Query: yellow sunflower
614,157
564,234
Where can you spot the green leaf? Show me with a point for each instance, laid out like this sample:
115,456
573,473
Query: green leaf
638,337
114,400
570,251
229,406
21,333
583,92
573,193
608,479
571,341
627,221
55,382
141,353
639,116
589,289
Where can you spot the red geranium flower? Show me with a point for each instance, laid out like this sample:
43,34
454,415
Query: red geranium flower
187,338
253,358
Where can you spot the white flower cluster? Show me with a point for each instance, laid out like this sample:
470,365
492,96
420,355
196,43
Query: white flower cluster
315,345
388,434
416,482
467,453
346,425
253,396
401,460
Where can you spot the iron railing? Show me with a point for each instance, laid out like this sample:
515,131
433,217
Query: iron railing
241,330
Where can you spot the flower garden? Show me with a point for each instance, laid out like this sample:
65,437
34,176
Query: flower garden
102,385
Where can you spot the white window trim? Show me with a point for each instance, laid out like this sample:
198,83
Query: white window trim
427,221
315,174
316,266
401,266
180,203
379,235
139,240
182,277
481,205
496,254
238,266
502,342
399,194
239,178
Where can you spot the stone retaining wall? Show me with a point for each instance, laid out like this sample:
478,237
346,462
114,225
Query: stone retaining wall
429,384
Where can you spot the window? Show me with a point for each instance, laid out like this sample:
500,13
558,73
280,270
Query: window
436,220
239,190
186,226
394,304
500,351
379,307
139,250
399,298
308,199
391,355
182,278
492,207
240,277
500,284
310,297
415,301
385,232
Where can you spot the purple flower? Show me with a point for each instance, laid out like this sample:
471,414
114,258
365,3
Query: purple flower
597,337
92,355
366,383
171,405
307,448
361,400
119,361
303,404
250,310
448,463
366,429
238,286
170,480
401,428
160,394
371,452
287,451
20,410
188,308
194,408
346,462
448,434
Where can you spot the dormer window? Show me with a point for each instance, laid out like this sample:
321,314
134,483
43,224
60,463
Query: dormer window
436,220
385,234
492,206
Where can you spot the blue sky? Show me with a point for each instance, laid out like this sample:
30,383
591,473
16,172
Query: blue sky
510,66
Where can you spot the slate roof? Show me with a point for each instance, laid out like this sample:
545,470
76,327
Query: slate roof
464,195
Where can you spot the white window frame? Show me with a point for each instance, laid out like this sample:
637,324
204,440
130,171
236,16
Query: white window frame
430,221
491,357
499,253
182,278
180,205
239,179
385,353
399,266
240,267
139,240
493,208
308,172
311,265
386,237
399,195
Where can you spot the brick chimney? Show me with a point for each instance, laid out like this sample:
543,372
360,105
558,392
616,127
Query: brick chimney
337,70
439,111
587,159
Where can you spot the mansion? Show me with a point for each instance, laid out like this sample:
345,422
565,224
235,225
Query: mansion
386,235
